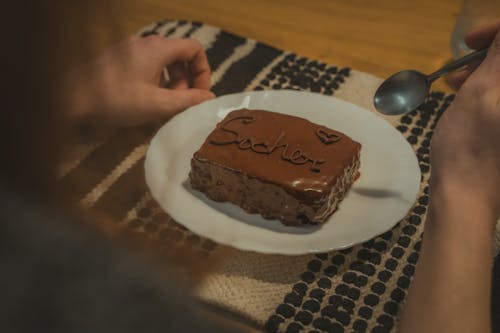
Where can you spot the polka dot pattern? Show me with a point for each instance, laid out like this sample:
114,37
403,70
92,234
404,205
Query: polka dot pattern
299,73
357,289
148,218
360,289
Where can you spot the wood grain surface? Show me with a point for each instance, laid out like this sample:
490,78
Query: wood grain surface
379,37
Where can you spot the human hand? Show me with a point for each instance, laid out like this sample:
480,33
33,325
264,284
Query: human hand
465,148
123,86
478,39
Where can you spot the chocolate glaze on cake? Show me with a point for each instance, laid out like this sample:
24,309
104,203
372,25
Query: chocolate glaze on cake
280,166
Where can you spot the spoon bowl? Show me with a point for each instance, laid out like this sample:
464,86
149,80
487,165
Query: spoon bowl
402,92
405,91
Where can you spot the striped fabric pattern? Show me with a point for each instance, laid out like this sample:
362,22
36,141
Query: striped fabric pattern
360,289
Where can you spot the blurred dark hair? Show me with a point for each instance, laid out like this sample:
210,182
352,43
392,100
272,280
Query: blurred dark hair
44,40
68,271
41,41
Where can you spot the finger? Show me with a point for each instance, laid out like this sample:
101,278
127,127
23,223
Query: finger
133,38
200,74
178,76
192,52
492,62
483,36
171,102
456,79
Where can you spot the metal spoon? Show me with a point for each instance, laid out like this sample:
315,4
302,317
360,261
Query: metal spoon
406,90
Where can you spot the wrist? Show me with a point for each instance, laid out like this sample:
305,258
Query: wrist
82,103
465,201
81,97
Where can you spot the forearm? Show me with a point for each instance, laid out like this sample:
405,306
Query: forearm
452,285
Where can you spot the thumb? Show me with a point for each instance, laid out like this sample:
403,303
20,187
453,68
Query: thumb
175,101
492,60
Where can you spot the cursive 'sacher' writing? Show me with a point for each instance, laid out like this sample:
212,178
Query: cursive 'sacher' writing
297,156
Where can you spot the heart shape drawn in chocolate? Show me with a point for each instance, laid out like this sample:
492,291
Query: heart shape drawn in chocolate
327,138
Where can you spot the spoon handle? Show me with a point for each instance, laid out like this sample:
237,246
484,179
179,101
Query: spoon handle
458,64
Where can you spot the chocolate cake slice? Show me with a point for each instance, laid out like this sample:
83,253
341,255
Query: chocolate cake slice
280,166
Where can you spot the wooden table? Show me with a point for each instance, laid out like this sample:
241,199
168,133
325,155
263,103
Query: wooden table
379,37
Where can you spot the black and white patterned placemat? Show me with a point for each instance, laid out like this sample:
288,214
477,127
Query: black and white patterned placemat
360,289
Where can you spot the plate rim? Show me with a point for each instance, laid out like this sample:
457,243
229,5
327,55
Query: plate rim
264,248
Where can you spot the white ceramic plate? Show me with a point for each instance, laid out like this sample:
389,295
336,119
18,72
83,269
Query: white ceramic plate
382,196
